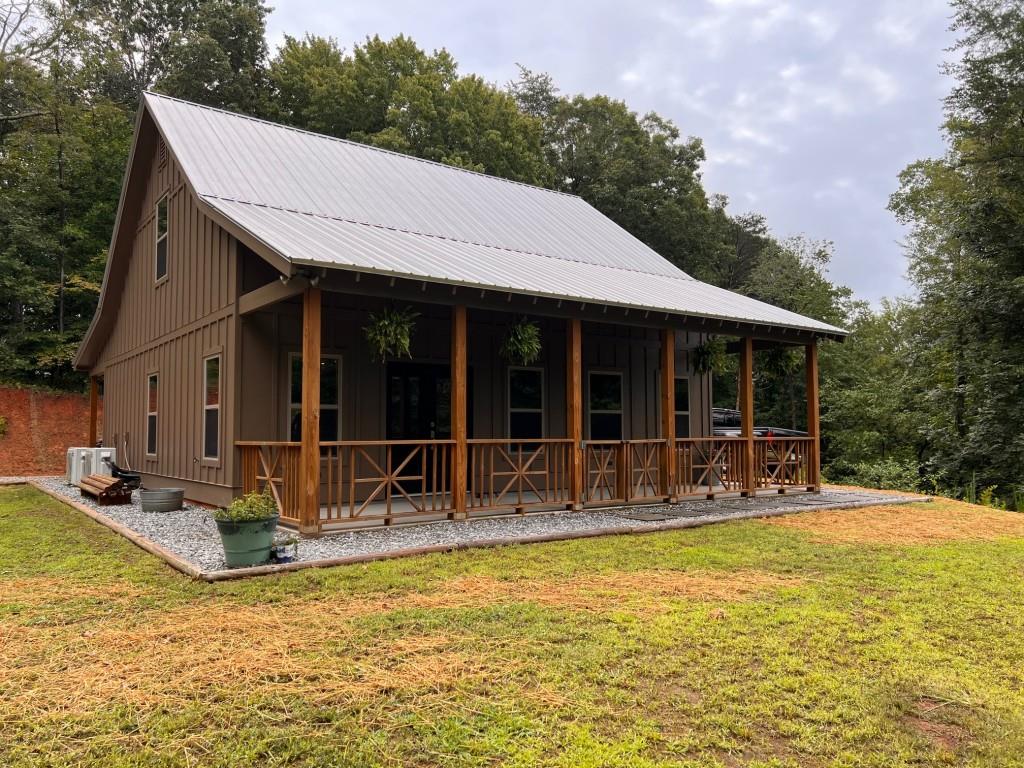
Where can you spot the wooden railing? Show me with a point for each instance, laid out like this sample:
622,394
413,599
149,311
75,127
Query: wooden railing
783,462
273,466
518,475
385,480
624,471
706,466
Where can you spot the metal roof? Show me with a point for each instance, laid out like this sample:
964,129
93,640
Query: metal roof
320,201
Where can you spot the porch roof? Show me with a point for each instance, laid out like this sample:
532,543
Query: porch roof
317,201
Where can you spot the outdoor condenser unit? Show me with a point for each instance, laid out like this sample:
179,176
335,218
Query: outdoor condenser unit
79,464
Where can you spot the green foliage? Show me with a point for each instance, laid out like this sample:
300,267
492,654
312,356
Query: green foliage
522,344
3,426
709,356
389,333
258,505
888,473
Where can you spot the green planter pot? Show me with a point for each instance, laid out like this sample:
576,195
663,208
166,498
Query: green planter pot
248,542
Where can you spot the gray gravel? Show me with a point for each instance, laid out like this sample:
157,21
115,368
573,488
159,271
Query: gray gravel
192,533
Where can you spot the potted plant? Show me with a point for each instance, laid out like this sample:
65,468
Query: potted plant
247,528
390,332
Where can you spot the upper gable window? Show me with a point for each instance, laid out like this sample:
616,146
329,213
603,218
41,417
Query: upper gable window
161,238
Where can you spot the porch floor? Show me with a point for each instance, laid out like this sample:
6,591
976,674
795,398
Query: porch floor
191,534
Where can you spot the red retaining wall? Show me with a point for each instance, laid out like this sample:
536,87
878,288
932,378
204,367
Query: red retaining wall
41,426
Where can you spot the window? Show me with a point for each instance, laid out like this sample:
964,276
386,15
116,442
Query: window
605,406
151,412
161,238
525,403
330,398
682,401
211,407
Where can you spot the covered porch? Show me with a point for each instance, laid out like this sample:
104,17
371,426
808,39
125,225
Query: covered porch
613,414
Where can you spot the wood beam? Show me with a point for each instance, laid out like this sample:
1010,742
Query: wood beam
813,417
574,408
94,407
668,410
271,293
459,407
309,457
746,386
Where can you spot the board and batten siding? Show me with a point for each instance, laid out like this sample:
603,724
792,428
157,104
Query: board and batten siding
170,327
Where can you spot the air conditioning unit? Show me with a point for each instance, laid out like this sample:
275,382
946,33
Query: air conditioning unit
79,464
99,466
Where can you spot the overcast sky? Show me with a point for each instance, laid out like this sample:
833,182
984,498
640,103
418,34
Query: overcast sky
808,110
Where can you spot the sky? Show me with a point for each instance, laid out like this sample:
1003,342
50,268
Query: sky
808,110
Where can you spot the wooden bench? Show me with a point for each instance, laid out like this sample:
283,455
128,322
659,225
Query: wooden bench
105,489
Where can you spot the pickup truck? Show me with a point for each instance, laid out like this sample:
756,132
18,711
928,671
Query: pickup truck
725,422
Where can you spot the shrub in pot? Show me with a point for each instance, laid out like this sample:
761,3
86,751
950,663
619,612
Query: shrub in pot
247,528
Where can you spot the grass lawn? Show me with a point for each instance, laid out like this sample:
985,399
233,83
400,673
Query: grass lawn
891,636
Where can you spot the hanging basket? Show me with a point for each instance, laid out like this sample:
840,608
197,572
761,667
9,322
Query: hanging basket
389,333
522,345
709,356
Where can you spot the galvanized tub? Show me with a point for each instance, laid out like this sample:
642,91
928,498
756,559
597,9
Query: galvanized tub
162,499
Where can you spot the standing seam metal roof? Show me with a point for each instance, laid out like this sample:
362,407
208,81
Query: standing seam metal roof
321,201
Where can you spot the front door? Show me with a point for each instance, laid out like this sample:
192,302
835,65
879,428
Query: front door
419,407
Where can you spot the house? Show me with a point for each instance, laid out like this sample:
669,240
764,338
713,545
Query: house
248,259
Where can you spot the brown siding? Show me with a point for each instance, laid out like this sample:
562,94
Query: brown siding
269,337
169,328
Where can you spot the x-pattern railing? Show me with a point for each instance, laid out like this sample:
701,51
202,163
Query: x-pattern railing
518,474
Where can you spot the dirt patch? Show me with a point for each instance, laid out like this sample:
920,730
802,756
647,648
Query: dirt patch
938,521
153,659
921,721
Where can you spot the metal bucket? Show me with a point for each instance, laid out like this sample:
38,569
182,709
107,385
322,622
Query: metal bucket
162,499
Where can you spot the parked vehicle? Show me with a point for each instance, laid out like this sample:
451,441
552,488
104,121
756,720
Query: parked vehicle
726,422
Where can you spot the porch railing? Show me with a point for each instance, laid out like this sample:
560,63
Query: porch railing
385,480
273,466
706,466
389,481
624,471
783,462
518,475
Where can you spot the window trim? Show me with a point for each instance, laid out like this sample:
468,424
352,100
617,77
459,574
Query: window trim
675,405
157,238
290,406
622,402
213,461
543,410
155,414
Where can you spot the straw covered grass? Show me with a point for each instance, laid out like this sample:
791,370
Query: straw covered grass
876,637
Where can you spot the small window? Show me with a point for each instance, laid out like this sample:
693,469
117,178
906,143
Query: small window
682,401
330,398
211,408
525,403
605,406
151,414
161,238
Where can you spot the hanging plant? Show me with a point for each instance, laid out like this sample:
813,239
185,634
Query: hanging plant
390,332
709,356
522,343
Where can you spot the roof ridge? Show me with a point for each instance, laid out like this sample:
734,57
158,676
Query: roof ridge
359,145
681,276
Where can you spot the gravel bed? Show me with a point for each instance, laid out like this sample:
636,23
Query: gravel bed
192,533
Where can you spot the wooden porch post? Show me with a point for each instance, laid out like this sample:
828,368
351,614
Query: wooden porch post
813,419
668,410
459,374
309,457
94,407
746,385
574,408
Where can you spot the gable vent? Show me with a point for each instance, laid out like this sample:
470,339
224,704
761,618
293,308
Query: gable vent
161,154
